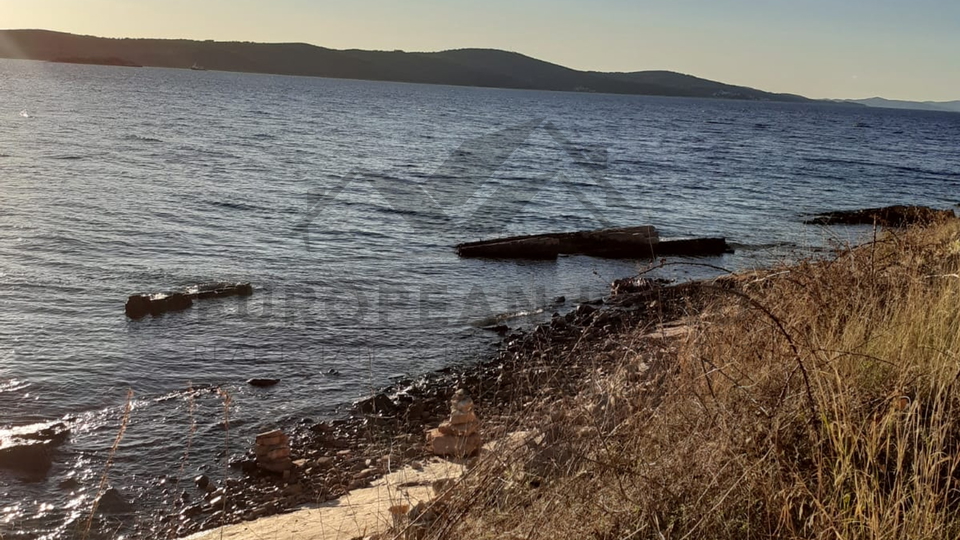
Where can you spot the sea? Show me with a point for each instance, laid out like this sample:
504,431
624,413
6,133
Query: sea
341,201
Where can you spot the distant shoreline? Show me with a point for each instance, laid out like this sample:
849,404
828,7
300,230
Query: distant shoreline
111,61
485,68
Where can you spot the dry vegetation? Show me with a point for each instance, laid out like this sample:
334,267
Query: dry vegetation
815,401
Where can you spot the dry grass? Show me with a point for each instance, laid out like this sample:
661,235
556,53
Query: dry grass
816,401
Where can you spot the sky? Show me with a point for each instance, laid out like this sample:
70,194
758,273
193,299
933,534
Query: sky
898,49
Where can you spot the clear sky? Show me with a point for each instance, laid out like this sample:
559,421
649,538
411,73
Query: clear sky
899,49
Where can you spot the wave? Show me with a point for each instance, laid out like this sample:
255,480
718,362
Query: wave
499,318
13,385
234,205
141,138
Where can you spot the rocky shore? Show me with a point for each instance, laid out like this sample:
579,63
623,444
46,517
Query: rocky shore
389,430
400,425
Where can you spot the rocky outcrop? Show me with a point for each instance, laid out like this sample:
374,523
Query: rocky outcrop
889,216
624,243
141,305
459,435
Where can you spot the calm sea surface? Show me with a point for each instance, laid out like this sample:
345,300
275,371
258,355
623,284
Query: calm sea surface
341,201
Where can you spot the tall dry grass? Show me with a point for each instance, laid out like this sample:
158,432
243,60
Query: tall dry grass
819,400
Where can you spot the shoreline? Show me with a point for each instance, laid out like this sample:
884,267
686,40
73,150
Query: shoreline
388,429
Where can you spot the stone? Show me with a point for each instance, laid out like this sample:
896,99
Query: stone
452,445
457,436
273,452
461,403
378,404
33,458
272,438
459,419
323,462
202,481
112,502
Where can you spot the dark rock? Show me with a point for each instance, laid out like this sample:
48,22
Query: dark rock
202,481
693,247
560,300
263,383
889,216
501,329
139,305
585,309
378,404
112,502
629,242
29,449
192,511
69,484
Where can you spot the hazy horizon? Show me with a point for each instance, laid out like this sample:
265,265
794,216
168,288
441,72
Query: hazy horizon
856,50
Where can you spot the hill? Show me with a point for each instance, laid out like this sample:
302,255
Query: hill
464,67
941,106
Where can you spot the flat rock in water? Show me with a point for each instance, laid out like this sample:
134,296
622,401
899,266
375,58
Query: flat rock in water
888,216
263,383
140,305
624,243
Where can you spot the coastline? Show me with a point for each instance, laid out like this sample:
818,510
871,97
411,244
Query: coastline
634,341
387,431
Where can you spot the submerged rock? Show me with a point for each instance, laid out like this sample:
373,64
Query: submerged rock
139,305
263,383
112,502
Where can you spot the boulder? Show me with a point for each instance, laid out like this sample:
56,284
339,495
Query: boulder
33,458
112,502
29,449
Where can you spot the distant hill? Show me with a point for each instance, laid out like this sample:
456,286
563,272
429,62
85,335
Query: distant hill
464,67
942,106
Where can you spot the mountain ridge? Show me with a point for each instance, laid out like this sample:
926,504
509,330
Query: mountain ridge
461,67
